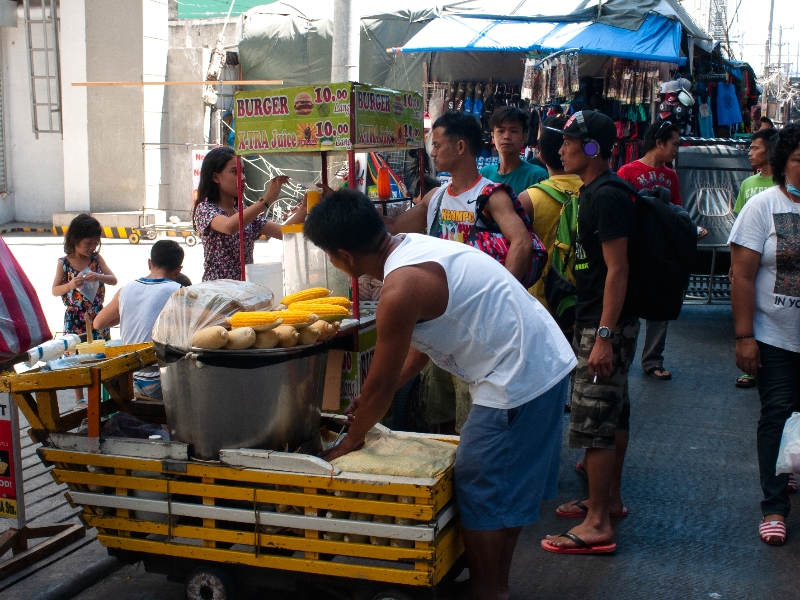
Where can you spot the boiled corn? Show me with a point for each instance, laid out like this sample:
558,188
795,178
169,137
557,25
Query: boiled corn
296,317
336,300
308,294
320,309
248,319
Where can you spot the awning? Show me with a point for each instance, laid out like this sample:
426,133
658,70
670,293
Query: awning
658,39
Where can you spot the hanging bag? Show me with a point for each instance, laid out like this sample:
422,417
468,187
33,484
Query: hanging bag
22,321
789,452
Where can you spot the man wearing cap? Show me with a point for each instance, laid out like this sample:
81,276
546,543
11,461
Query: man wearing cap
605,334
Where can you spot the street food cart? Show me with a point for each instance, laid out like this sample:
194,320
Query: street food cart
246,505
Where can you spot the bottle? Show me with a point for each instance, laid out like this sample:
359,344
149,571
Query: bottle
384,185
52,349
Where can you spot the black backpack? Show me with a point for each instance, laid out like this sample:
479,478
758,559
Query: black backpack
662,254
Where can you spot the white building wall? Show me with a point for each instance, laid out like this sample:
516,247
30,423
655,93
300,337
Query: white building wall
75,112
35,167
154,68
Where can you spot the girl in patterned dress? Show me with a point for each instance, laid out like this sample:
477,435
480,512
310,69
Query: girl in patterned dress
216,217
80,245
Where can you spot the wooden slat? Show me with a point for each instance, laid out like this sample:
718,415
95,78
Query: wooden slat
247,538
301,565
27,405
47,406
317,502
55,380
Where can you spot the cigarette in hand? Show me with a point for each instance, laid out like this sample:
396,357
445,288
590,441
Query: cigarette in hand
595,379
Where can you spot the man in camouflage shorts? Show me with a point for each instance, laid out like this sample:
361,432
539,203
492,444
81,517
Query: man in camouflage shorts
605,334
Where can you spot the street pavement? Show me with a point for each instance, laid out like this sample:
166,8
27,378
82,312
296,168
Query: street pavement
690,483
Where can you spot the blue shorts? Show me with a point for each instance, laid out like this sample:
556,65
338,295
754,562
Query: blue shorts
148,387
507,461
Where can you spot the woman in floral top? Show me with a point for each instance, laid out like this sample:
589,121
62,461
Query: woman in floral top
216,217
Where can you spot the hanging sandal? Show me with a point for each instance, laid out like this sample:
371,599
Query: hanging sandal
772,532
745,381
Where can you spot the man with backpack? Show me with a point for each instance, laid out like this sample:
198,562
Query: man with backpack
550,198
606,332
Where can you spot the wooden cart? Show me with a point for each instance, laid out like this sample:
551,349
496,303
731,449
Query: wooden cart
256,518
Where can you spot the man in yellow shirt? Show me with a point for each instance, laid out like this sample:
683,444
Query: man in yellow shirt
548,196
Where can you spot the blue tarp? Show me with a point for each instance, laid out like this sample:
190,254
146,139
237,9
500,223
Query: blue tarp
658,39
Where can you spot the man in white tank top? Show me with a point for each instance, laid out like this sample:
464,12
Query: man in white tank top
489,331
136,306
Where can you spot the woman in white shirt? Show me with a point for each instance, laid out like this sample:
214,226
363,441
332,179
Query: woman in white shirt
765,256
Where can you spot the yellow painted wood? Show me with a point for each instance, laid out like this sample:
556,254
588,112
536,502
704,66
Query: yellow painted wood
55,380
47,405
27,405
448,555
247,538
101,460
301,565
115,351
311,534
311,501
212,523
120,365
122,512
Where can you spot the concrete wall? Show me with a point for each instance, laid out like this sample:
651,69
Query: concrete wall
115,50
34,167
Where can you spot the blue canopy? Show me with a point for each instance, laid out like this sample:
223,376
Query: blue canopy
658,38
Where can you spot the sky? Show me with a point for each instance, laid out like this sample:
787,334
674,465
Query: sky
753,22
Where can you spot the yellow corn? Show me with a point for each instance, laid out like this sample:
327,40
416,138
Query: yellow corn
335,300
248,319
294,317
309,294
321,309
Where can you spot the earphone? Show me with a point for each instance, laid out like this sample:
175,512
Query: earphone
591,148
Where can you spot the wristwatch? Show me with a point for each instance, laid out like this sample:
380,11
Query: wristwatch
604,333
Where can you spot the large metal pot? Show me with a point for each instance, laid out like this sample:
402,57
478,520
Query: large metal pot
218,399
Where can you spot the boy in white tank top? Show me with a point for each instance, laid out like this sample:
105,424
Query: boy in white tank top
488,331
136,306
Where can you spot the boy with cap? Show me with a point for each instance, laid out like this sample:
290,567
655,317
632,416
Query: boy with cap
605,334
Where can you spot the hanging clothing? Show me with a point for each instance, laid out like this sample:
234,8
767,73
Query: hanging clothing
705,119
728,111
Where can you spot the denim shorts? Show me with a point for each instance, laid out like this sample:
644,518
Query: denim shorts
507,461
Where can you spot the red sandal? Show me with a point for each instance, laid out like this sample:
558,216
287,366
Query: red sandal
772,532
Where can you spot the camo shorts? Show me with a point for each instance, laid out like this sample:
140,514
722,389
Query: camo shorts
601,409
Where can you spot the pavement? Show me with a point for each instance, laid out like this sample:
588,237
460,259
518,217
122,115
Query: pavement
690,483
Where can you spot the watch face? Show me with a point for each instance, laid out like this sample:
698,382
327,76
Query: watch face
604,332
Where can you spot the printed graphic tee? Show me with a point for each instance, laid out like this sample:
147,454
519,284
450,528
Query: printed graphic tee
646,178
751,186
770,224
457,213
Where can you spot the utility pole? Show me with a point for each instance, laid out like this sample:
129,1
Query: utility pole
346,41
765,94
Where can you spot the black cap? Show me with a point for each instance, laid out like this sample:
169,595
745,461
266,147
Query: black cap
591,125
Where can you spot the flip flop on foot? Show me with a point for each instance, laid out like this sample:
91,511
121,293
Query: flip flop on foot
745,381
659,373
583,510
581,547
772,532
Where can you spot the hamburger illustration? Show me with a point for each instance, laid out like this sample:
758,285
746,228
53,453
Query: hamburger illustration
303,105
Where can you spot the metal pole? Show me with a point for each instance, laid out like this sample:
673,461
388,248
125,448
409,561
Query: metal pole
240,202
765,93
778,110
346,41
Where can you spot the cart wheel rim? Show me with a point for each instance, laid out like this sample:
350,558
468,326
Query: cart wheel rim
191,240
133,238
151,235
209,583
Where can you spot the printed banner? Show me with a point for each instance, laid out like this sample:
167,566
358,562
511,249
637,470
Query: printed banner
197,158
317,118
8,487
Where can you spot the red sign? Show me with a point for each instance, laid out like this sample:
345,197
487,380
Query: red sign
8,488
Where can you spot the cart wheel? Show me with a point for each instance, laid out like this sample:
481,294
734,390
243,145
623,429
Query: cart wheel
151,234
134,238
191,240
392,595
209,583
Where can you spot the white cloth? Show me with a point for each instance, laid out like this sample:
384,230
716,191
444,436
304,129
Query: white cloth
457,213
494,335
770,225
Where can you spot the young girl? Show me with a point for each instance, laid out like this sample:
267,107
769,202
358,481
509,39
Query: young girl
80,244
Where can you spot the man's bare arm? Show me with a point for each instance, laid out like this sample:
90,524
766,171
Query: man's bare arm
414,220
520,249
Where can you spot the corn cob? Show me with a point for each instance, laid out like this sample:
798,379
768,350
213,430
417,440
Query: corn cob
248,319
309,294
295,317
319,309
335,300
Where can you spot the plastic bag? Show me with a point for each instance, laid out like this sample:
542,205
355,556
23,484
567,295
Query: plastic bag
89,288
205,304
22,322
789,453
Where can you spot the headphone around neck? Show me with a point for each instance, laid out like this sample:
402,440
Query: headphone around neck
591,147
